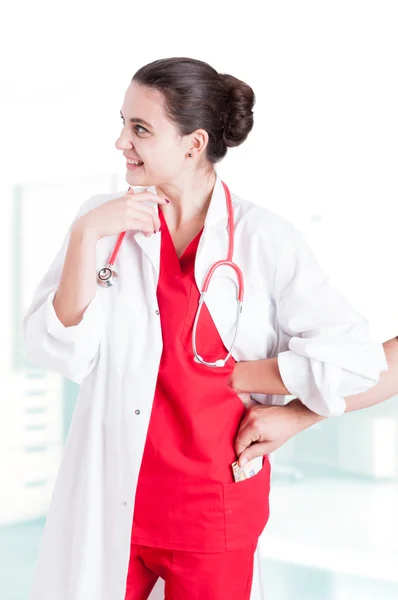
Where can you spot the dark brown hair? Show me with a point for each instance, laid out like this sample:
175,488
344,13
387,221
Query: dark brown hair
196,96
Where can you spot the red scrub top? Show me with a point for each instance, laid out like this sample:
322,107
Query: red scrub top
186,496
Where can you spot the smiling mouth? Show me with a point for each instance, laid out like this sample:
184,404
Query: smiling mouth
134,167
136,163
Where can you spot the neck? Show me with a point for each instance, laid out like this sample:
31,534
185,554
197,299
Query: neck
189,198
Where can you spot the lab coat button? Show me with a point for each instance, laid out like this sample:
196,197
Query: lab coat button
137,412
157,312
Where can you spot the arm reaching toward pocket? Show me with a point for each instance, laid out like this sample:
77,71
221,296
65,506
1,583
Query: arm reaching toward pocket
266,428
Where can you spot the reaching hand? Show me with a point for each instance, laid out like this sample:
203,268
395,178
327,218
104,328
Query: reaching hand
265,428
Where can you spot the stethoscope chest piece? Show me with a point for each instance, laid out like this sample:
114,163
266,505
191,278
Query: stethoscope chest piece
106,277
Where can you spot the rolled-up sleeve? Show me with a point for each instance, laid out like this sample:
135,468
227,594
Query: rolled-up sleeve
330,352
72,351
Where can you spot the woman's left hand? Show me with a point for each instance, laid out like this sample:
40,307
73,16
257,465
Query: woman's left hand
244,396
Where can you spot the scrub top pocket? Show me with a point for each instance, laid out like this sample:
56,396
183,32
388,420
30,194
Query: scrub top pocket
249,497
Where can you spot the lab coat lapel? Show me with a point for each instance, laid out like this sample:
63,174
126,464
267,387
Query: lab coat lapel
216,220
150,245
213,246
222,293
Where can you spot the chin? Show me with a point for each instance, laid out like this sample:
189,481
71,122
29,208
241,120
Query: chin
142,179
138,180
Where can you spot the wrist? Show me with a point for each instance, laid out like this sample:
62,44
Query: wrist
82,229
304,416
237,378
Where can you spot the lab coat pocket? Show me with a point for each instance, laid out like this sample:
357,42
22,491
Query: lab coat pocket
246,506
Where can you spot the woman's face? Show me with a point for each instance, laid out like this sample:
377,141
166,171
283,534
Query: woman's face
147,135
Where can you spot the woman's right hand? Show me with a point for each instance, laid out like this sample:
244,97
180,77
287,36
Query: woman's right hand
125,213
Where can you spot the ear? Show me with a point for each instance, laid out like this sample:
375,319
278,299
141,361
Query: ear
199,141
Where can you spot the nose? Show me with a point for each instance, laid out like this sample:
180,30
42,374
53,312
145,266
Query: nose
122,143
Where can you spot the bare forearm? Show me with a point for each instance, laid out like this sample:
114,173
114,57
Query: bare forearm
383,390
259,376
76,288
262,376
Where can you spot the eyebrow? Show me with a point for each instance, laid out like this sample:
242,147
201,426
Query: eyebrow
138,120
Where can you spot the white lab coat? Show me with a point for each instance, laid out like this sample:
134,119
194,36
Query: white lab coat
290,311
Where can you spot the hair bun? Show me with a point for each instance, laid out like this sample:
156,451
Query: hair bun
237,118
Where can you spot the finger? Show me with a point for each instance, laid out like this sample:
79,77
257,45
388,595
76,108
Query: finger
258,449
145,225
246,436
151,211
247,420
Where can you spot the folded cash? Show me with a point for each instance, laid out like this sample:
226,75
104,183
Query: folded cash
248,470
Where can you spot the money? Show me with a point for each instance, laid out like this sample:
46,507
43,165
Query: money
248,470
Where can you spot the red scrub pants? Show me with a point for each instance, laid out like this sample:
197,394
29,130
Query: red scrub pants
191,575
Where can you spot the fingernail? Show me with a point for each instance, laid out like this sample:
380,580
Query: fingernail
243,462
167,200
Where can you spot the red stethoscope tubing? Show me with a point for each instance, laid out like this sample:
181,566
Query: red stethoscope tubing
229,262
116,249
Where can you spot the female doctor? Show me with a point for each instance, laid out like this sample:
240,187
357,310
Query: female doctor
145,504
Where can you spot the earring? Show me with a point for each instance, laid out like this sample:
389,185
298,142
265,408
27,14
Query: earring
190,154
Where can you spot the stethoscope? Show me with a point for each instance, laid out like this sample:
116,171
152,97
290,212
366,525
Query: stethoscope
107,277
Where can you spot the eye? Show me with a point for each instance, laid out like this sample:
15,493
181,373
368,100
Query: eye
141,127
143,130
